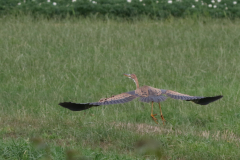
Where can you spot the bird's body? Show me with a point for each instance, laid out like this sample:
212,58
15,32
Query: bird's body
145,94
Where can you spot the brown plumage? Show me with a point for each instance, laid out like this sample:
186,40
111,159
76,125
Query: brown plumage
145,94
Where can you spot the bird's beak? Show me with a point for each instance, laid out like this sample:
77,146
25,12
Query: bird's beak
128,75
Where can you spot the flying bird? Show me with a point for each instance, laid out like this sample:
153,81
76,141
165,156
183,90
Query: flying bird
145,94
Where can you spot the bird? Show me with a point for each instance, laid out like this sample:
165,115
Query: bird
146,94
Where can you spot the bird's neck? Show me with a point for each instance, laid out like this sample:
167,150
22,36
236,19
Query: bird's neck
136,82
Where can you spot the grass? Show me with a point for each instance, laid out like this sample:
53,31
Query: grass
129,9
44,62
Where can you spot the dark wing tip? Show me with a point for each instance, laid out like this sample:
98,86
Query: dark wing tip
76,106
206,100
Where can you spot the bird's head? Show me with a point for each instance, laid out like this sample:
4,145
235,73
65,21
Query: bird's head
132,76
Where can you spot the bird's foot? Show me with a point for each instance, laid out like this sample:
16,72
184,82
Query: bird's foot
155,119
163,120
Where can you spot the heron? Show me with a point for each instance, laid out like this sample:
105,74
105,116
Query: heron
145,94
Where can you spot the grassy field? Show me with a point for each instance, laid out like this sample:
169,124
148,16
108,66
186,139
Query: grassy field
44,62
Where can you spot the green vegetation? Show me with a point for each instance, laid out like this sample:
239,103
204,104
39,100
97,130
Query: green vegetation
155,9
45,62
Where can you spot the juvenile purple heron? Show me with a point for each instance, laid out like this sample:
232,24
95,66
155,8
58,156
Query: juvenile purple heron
145,94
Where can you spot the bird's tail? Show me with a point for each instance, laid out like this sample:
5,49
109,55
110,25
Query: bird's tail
206,100
76,106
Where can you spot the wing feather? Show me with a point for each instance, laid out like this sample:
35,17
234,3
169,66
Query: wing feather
176,95
206,100
120,98
195,99
76,106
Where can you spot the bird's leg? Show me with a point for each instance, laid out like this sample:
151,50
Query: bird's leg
161,113
152,115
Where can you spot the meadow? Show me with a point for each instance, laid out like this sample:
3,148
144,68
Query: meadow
44,62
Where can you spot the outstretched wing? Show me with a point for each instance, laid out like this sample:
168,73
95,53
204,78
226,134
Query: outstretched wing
120,98
76,106
206,100
195,99
176,95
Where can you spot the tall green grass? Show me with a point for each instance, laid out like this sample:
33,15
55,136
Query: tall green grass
45,62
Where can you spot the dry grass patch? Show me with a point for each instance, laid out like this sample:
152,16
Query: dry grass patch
144,128
225,135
